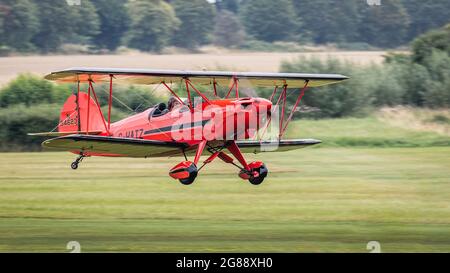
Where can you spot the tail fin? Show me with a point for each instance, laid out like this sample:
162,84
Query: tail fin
74,119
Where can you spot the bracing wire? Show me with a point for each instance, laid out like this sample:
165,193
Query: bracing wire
62,121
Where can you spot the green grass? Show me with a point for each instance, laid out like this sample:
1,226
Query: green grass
314,200
364,132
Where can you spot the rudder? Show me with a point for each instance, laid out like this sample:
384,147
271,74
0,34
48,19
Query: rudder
74,119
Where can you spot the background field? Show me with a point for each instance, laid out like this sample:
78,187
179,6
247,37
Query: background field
324,199
262,61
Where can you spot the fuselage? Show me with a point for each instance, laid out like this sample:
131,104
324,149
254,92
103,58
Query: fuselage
228,119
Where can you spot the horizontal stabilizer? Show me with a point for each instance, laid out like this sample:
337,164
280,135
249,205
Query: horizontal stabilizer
114,146
50,134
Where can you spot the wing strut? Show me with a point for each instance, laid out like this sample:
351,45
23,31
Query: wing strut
110,101
189,96
282,98
299,98
215,87
77,101
173,93
234,85
88,107
197,91
91,88
273,93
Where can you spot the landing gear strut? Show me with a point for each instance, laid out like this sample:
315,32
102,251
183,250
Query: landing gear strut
77,161
186,171
254,172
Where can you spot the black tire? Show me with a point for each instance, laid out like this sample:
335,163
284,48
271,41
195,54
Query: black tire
74,165
263,171
192,175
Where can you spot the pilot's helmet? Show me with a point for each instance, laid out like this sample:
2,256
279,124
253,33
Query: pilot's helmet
172,103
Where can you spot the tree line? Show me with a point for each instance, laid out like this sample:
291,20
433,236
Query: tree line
150,25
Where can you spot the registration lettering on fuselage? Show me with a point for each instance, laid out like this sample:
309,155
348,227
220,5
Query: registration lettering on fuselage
138,133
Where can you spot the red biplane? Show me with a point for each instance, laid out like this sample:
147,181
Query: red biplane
184,126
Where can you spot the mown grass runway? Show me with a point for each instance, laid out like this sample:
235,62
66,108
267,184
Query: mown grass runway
314,200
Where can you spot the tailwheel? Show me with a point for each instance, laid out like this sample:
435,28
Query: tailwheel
74,165
258,171
185,172
77,161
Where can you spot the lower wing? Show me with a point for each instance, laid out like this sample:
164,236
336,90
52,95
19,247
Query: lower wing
275,146
129,147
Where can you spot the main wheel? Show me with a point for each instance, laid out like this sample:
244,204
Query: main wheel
188,181
192,175
262,173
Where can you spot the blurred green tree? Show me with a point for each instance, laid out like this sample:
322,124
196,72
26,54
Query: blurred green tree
114,22
351,97
30,90
413,79
152,24
425,75
197,23
85,23
230,5
57,24
431,41
3,10
269,20
325,21
438,86
383,86
19,23
426,15
228,31
18,120
385,25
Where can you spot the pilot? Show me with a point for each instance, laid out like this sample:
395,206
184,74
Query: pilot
172,103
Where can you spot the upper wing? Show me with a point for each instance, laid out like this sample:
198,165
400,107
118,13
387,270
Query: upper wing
275,146
151,76
113,146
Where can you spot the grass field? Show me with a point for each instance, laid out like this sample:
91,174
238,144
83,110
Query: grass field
370,180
